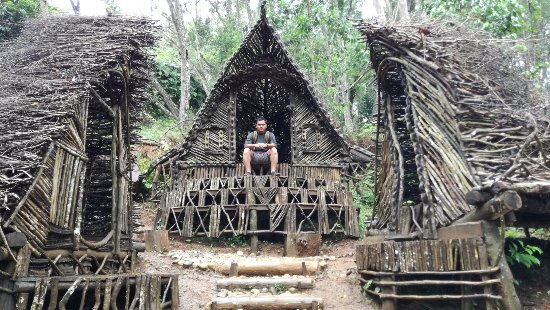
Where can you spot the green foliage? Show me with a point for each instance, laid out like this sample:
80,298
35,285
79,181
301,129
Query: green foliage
523,254
515,19
234,241
168,74
279,288
213,42
161,128
12,13
500,17
334,59
363,197
514,232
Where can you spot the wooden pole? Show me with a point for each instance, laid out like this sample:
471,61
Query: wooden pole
271,268
494,208
264,282
253,227
275,302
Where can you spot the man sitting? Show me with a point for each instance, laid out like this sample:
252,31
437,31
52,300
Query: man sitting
260,148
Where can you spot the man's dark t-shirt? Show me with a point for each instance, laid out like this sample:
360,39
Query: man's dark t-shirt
261,139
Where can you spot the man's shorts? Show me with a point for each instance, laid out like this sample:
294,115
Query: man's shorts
260,159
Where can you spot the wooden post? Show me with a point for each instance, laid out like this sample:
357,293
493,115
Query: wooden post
156,240
232,130
495,247
484,264
114,176
254,227
388,303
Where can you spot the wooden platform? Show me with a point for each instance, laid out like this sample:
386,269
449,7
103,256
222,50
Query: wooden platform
215,199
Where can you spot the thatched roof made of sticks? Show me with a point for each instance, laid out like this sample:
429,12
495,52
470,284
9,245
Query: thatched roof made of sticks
48,71
261,55
466,113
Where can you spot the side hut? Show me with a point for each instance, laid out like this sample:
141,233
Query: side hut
209,194
71,94
460,139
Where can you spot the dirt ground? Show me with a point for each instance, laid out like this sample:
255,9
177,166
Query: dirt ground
337,283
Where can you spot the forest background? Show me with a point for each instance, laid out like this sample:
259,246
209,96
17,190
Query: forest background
199,36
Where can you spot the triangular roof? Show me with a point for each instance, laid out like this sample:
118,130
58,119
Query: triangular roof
261,54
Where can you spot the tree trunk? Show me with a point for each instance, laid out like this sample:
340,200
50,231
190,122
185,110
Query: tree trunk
76,6
403,9
348,113
389,10
378,8
249,14
238,11
177,20
169,107
229,8
44,11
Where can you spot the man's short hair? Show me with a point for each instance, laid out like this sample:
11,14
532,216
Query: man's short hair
260,118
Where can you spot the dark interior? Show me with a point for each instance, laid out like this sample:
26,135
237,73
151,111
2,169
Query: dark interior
264,97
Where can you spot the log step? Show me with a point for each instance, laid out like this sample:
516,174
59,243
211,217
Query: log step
268,268
274,302
300,283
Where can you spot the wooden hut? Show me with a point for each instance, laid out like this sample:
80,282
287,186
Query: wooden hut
208,194
460,139
71,93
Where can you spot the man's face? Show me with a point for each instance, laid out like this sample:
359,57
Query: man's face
261,126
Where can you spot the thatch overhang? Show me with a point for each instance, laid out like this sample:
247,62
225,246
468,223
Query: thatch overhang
64,82
457,121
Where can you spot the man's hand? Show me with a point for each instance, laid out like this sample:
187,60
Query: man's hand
262,145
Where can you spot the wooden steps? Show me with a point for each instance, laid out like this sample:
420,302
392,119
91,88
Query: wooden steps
261,290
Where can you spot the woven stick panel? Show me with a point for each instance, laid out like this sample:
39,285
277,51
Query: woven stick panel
262,40
32,216
65,192
212,212
228,176
385,198
210,142
311,142
421,255
143,291
215,220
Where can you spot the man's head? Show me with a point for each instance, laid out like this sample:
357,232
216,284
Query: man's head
261,124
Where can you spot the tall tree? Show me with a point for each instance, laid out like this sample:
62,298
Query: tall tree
76,6
111,7
333,58
44,10
176,14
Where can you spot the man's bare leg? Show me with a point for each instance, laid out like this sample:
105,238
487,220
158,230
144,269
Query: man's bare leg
273,159
247,159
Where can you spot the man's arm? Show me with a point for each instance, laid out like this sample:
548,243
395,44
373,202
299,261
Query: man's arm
273,142
249,145
248,142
